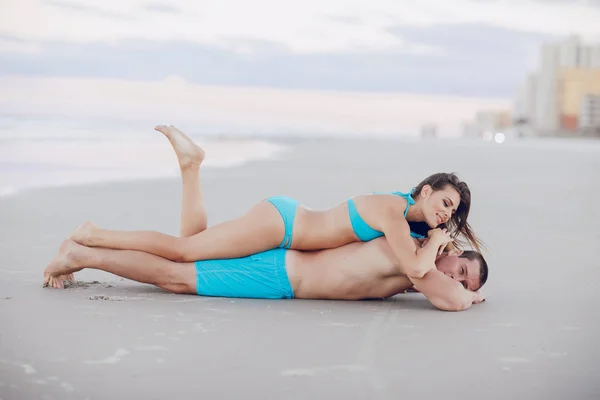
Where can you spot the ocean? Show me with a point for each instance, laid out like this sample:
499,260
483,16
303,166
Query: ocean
42,151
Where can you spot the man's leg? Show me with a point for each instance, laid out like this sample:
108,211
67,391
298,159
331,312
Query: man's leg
134,265
190,157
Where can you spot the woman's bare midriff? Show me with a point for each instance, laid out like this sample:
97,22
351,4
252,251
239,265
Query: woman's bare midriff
322,229
356,271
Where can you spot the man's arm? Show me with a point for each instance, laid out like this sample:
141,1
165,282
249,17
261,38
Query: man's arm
445,293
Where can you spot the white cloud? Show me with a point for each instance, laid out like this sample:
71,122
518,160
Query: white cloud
14,46
307,26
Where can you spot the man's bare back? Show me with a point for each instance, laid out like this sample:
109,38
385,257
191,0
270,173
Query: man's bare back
351,272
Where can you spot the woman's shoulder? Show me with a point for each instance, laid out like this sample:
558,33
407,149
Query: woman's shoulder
395,204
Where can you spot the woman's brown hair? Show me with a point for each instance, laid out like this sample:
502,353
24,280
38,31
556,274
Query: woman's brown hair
457,224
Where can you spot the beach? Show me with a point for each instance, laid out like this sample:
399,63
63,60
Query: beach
534,203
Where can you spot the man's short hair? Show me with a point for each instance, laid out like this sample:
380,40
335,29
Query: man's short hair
472,255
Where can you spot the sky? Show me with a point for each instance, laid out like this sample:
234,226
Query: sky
475,49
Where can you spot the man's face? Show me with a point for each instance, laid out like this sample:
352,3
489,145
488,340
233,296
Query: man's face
460,269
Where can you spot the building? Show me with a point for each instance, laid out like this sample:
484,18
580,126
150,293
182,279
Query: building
545,109
429,131
575,85
524,103
552,99
590,112
487,124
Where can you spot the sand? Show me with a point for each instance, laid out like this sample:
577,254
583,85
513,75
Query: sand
535,205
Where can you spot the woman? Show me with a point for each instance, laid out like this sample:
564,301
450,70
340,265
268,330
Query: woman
441,200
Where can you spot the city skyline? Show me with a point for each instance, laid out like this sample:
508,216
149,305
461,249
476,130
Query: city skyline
561,94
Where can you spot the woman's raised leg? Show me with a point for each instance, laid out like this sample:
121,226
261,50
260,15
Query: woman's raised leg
260,229
190,157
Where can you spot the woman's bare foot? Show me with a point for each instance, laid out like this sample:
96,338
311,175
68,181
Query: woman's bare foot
68,261
188,152
84,233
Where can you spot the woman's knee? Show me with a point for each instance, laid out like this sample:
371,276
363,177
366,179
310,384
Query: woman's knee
183,251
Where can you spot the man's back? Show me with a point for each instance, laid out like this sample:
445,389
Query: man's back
351,272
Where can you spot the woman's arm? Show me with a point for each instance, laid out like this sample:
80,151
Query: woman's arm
414,261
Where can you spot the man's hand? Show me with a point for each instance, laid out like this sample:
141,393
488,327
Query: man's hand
478,297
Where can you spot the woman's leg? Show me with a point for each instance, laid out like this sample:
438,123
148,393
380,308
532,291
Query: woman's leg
260,229
134,265
190,157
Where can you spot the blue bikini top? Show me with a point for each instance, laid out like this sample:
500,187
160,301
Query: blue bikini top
363,231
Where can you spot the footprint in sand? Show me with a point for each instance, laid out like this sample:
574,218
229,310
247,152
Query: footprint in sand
115,298
84,284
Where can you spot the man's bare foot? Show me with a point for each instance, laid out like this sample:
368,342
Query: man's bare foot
64,265
83,234
188,152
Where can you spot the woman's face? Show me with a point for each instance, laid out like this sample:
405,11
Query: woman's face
439,206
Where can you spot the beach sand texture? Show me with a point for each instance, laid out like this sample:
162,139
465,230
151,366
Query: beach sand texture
535,205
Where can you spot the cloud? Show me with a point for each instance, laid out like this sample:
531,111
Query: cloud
592,3
486,46
15,45
161,8
344,19
310,26
457,47
87,10
469,60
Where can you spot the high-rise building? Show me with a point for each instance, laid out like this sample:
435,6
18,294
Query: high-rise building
590,112
569,52
574,84
545,114
524,107
595,57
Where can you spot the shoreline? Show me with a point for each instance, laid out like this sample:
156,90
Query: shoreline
34,164
272,149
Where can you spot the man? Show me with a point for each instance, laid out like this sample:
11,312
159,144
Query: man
361,270
351,272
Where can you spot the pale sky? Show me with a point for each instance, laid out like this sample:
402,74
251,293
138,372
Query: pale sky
307,26
479,49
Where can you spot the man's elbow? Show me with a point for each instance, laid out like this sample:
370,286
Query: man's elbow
416,273
453,305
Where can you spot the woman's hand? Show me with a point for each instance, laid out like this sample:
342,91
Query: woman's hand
440,237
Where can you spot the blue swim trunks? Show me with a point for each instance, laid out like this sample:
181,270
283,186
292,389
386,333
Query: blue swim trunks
259,276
